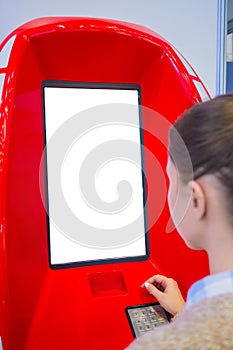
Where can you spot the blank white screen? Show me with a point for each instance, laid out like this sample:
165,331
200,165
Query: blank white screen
62,103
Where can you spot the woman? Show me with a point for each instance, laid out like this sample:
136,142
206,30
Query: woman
205,198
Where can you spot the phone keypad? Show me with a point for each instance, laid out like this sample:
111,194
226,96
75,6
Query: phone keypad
147,318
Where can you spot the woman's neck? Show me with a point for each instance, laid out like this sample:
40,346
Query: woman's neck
220,251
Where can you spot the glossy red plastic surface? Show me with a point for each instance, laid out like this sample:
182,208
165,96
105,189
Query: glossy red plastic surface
82,307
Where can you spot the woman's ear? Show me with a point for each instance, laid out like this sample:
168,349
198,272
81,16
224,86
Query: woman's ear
198,199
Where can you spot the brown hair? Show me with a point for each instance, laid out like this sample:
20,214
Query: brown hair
206,130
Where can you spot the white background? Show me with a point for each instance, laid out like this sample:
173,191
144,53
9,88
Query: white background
190,25
60,105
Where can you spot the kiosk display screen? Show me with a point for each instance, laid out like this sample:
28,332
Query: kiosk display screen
95,192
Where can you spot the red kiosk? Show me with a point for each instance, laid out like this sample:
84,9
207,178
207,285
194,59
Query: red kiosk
52,296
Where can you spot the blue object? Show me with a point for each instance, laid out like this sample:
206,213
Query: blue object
229,77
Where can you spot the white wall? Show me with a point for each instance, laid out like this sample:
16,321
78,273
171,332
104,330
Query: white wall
190,25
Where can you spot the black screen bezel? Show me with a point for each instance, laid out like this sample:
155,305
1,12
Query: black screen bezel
101,85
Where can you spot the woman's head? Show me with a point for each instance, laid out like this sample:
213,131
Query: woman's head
206,142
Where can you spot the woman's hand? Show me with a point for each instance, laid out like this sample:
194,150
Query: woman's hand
167,292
